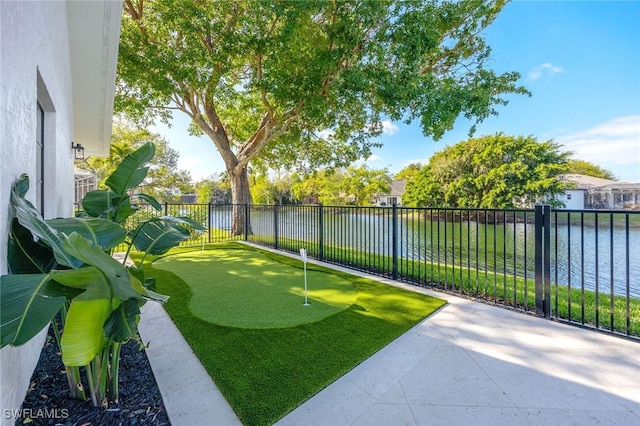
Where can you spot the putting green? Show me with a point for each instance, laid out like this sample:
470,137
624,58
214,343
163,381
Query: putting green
245,288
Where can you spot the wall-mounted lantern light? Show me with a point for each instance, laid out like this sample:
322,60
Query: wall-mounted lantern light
78,151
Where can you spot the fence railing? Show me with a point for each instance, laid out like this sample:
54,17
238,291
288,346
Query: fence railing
582,267
578,266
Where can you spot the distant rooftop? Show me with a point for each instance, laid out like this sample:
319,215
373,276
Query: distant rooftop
397,187
590,182
586,182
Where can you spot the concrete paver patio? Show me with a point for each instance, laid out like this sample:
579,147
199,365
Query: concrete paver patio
469,363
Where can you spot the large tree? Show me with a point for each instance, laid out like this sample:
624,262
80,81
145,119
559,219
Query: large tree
497,171
586,168
265,80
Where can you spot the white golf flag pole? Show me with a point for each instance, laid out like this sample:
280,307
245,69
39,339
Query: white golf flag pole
303,255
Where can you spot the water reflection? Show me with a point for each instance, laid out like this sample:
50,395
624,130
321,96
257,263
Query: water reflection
591,254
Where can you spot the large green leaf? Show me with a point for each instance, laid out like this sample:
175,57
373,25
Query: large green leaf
138,273
88,278
27,304
113,271
122,324
145,285
26,256
182,221
147,293
21,186
83,336
101,232
30,218
124,209
149,199
157,237
156,297
131,171
99,203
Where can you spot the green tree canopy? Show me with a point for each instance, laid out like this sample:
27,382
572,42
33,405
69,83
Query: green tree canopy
323,185
264,80
215,189
163,174
271,188
362,184
409,173
353,185
582,167
497,171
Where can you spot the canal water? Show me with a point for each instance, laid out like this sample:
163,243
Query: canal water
605,257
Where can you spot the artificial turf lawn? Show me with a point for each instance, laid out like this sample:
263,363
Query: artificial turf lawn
265,373
245,288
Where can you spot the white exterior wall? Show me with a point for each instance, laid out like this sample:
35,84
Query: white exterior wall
573,199
386,202
34,50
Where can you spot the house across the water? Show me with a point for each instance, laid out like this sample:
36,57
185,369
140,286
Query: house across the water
588,192
394,196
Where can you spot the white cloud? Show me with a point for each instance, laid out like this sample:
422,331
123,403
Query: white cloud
324,134
365,161
421,161
544,69
613,144
388,128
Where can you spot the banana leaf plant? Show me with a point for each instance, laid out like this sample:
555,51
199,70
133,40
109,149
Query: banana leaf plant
66,266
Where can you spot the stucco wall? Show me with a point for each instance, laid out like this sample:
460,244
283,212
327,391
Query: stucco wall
573,199
34,66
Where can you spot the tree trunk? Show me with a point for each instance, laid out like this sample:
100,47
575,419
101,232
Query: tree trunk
240,196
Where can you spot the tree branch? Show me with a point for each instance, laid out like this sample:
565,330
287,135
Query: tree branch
135,11
166,107
251,146
215,130
267,131
263,90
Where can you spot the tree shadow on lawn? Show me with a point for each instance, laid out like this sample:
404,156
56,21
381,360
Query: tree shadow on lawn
233,291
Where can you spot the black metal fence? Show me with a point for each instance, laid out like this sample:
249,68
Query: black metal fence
579,266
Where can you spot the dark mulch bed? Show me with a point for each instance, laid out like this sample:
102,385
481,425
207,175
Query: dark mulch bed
48,396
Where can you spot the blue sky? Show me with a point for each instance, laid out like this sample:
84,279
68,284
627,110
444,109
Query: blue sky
580,60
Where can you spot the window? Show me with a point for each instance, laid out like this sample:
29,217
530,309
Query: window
393,200
568,196
45,174
39,183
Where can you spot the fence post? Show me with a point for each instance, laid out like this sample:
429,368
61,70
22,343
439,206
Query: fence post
394,240
543,260
247,221
547,261
209,213
166,208
275,226
320,233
